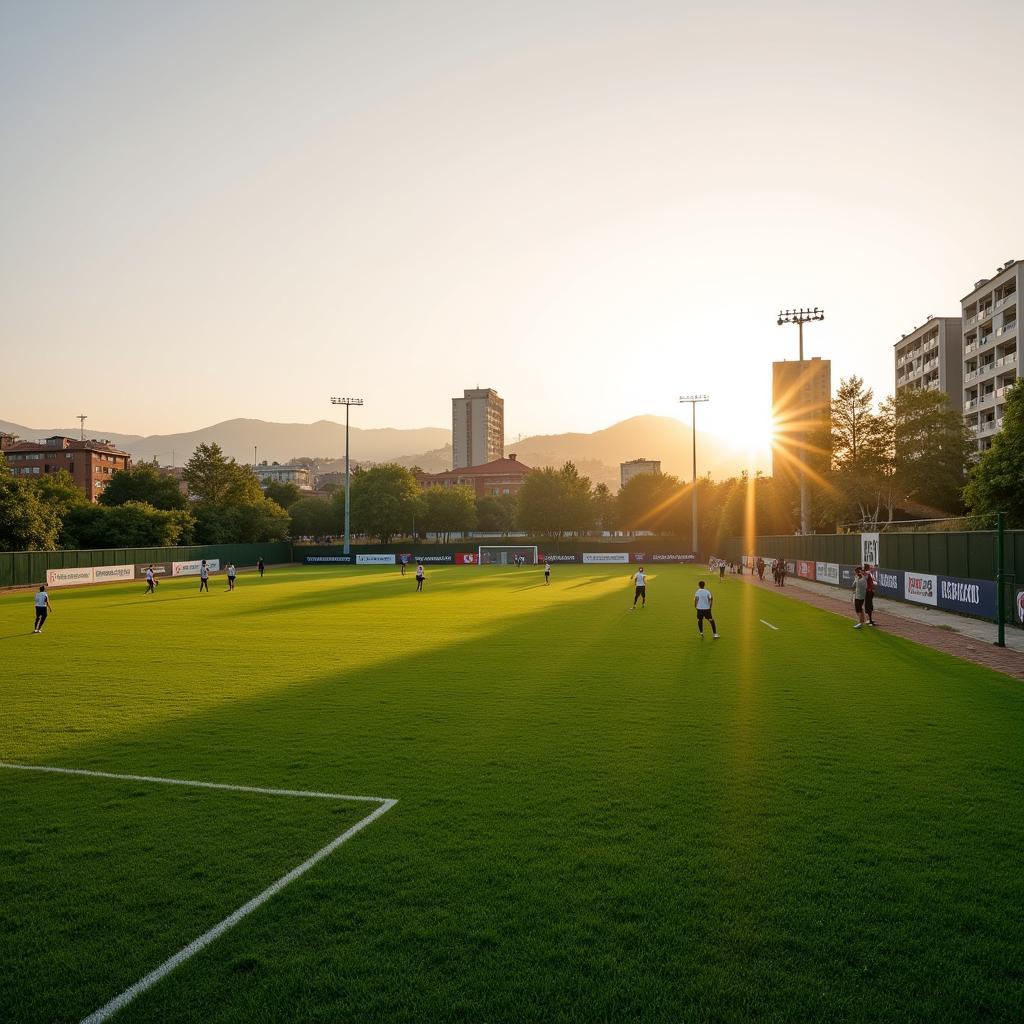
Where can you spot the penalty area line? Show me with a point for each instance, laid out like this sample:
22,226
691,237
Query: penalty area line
769,625
148,981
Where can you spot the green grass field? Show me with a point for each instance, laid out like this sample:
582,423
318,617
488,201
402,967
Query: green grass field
600,817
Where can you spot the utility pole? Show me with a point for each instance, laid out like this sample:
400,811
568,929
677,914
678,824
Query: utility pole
800,317
81,417
693,400
348,403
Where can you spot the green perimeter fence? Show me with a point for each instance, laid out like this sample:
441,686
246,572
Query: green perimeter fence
25,568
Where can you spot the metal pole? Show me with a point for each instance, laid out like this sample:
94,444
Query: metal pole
345,550
805,514
1000,581
693,430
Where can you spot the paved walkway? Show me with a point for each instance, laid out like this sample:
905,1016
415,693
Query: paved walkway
969,639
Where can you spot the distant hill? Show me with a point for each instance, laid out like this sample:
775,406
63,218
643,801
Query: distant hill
35,433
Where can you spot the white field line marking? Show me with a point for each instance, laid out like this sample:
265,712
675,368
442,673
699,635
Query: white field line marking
769,625
118,1002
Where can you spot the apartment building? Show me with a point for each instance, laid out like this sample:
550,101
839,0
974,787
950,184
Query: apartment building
931,356
478,428
90,463
637,467
990,353
500,477
287,474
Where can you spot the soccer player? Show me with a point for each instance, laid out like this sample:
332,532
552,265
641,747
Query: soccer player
403,559
260,565
420,577
640,594
150,581
869,596
721,568
702,601
43,607
860,590
547,573
204,577
231,575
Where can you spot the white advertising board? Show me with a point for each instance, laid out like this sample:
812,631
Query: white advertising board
599,557
192,568
68,577
109,573
827,572
375,559
869,549
920,587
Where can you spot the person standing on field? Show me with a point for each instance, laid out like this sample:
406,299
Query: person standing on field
260,565
204,577
547,573
232,572
150,581
640,594
869,596
860,593
43,608
420,577
703,602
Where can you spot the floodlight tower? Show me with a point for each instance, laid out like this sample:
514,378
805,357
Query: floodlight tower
348,403
693,400
800,317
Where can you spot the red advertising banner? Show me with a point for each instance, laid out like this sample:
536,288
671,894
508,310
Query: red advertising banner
466,558
805,570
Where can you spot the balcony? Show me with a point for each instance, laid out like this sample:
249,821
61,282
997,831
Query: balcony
968,349
984,314
986,338
970,375
972,320
1010,359
1009,328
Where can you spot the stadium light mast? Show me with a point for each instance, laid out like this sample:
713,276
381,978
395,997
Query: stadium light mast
800,317
348,403
693,400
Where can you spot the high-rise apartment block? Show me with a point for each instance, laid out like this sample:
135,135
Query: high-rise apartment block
802,414
990,355
478,428
931,357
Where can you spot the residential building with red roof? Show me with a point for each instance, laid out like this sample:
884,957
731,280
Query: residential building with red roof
502,476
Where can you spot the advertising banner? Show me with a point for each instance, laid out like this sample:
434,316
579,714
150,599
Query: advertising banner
328,559
920,587
805,570
68,577
846,576
159,569
827,572
870,549
192,568
604,557
553,559
970,597
375,559
673,558
889,583
466,558
109,573
434,559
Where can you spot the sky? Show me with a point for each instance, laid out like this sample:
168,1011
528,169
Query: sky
217,209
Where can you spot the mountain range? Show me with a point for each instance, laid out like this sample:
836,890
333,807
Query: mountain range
597,454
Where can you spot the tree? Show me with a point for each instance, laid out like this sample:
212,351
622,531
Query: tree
995,482
448,509
215,479
658,502
385,501
285,494
250,522
315,517
605,509
144,482
496,513
554,502
27,523
862,480
60,492
932,448
131,525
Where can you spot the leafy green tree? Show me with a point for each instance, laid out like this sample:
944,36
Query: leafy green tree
144,482
315,517
385,501
997,480
217,480
554,502
496,513
250,522
133,524
658,502
447,510
285,494
60,492
605,508
27,522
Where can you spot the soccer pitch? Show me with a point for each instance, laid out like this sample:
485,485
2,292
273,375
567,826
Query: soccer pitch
599,816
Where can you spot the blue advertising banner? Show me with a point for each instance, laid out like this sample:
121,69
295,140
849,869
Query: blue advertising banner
889,583
846,576
969,597
329,559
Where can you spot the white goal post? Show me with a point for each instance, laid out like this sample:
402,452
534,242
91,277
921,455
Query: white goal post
505,554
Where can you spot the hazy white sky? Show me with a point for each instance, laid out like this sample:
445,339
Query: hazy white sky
238,209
